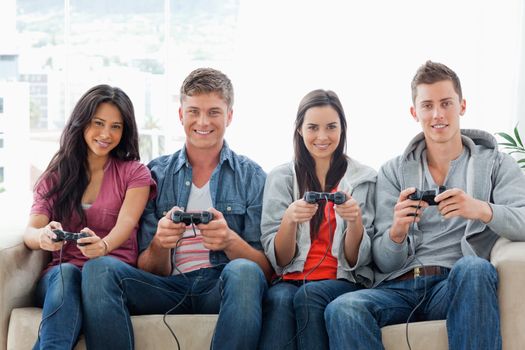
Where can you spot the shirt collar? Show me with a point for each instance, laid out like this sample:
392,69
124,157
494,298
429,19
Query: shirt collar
225,156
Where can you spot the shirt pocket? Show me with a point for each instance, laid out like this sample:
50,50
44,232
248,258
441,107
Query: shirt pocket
162,210
232,211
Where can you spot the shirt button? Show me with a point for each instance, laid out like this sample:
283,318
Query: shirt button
229,208
188,183
164,212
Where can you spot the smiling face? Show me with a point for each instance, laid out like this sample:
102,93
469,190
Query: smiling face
104,132
321,132
205,118
437,107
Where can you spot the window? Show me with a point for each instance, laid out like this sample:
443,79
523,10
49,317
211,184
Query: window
1,140
367,57
1,175
7,58
1,105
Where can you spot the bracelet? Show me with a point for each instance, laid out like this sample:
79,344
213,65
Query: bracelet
106,247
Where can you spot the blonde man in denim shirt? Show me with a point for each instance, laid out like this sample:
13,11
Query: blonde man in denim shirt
217,267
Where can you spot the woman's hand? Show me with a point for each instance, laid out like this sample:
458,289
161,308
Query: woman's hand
47,235
350,210
94,247
300,211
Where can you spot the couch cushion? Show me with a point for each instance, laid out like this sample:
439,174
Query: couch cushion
193,331
428,335
196,331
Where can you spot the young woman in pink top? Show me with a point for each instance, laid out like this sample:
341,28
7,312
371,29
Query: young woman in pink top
96,185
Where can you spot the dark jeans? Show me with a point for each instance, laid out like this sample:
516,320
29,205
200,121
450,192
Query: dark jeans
293,313
59,294
118,290
467,298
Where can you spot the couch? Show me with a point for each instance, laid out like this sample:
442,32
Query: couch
19,319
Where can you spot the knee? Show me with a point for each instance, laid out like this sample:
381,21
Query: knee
66,279
243,279
70,273
279,298
96,273
100,265
346,308
309,293
243,271
473,268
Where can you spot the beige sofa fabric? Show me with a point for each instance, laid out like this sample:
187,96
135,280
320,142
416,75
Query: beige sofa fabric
20,268
192,331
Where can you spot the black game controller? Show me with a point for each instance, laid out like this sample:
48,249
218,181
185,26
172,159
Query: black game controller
203,217
314,197
69,236
427,195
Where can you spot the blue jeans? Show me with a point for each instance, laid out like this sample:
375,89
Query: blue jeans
59,294
467,298
117,290
293,313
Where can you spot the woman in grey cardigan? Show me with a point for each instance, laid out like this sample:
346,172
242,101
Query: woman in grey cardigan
318,248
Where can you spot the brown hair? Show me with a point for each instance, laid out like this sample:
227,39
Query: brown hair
69,168
206,81
304,162
433,72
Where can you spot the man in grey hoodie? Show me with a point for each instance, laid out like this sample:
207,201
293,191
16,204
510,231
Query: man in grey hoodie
431,256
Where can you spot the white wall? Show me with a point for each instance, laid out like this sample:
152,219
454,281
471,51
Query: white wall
368,52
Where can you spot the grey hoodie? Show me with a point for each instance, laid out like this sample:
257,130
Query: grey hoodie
492,176
281,190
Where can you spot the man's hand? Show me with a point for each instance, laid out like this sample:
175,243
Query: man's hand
406,211
216,235
168,233
300,211
455,202
46,236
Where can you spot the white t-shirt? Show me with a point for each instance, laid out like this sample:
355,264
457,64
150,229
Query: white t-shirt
191,254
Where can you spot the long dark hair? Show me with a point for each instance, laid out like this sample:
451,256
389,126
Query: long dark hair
68,170
304,162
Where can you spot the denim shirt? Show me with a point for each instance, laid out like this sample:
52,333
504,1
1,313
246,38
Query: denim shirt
236,187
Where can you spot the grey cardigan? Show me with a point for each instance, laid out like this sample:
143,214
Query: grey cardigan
281,190
492,176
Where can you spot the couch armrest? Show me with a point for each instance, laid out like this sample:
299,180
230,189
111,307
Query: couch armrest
20,268
509,259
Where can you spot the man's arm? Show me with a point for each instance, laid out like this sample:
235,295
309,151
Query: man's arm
218,236
156,258
505,214
394,216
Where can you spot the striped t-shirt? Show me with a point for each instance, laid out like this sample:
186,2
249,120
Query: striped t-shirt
191,254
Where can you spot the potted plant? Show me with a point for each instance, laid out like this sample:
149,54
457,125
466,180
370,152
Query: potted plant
513,145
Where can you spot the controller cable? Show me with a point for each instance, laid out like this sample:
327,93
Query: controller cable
304,284
62,297
415,258
187,290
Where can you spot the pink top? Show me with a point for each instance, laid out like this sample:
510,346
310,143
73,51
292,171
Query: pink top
101,217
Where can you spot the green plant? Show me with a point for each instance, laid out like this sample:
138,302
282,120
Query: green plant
513,144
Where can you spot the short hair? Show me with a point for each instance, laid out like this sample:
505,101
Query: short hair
206,81
433,72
